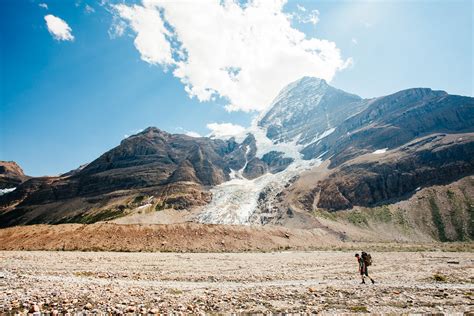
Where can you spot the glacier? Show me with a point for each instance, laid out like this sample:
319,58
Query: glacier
235,201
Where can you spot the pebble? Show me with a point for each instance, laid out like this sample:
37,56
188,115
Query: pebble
34,308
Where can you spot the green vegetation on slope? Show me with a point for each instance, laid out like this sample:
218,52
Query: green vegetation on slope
437,219
456,215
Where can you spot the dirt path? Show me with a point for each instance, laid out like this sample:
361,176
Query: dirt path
235,282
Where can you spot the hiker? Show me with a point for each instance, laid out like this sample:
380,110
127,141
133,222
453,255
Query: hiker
364,261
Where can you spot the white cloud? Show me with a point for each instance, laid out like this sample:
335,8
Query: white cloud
89,9
117,28
43,5
58,28
151,39
301,8
349,63
181,130
225,130
245,54
133,132
192,134
354,41
305,16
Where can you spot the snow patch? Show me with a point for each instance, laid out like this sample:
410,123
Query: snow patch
324,134
239,173
142,207
265,145
6,191
380,151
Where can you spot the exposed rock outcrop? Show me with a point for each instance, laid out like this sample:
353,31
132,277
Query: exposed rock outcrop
11,175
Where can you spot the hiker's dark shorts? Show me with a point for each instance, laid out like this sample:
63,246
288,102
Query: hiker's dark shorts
365,271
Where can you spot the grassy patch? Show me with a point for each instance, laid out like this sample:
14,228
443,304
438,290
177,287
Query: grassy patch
439,277
381,214
102,215
138,199
84,273
456,215
160,206
357,218
400,219
437,220
359,309
450,194
470,210
175,291
325,214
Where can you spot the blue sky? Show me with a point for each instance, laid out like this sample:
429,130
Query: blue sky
64,103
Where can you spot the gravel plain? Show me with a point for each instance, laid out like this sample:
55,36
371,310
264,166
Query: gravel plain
61,282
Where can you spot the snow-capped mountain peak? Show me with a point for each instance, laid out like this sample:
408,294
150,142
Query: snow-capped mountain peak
308,108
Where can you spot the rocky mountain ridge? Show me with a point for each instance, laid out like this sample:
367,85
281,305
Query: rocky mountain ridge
11,175
357,152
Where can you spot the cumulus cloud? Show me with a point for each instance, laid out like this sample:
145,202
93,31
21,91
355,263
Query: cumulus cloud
43,5
58,28
242,53
225,130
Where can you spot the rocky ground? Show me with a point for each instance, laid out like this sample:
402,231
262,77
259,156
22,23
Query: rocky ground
193,283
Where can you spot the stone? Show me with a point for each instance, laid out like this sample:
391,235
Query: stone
34,308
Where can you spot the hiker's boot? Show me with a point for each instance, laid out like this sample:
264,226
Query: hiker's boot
363,282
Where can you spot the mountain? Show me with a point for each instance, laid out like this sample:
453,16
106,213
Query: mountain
11,175
308,109
382,151
316,148
171,170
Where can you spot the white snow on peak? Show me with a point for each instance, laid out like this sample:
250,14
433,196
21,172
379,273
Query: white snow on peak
266,145
6,191
304,92
380,151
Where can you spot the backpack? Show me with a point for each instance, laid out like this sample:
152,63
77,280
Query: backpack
367,258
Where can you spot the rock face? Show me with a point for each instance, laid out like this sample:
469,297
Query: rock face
394,120
379,150
373,178
11,175
307,109
351,151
